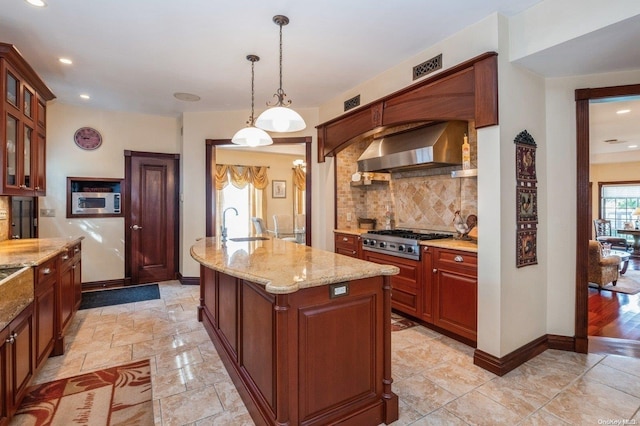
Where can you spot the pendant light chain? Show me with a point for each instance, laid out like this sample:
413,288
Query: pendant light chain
251,119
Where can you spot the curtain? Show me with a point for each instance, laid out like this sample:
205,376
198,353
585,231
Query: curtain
299,186
241,176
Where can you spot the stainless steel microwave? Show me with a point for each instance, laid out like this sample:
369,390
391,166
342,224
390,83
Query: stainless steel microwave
95,203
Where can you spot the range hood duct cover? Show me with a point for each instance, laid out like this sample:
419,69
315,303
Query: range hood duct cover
437,145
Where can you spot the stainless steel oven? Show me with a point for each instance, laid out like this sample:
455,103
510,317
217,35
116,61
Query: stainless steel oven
398,242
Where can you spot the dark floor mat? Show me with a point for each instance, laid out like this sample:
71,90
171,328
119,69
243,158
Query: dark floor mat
118,296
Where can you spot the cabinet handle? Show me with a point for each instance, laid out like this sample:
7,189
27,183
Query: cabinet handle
46,271
74,267
37,188
12,338
345,239
353,252
458,258
435,270
76,249
65,257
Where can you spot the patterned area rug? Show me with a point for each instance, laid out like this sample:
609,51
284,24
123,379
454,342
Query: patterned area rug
628,283
400,323
114,396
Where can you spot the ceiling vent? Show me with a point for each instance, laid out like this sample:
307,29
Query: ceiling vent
427,67
352,103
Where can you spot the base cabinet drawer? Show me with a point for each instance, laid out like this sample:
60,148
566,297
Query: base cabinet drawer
347,244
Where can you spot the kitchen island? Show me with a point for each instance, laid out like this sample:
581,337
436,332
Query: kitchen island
305,334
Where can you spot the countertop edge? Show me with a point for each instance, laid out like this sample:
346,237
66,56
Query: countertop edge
60,242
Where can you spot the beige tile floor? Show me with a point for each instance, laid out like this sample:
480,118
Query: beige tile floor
434,376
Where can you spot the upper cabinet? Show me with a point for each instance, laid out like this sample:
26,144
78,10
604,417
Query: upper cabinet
22,126
467,91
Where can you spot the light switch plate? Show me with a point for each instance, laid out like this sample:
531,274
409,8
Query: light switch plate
3,214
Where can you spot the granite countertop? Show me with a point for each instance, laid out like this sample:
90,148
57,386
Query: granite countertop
453,244
32,251
282,266
16,290
450,243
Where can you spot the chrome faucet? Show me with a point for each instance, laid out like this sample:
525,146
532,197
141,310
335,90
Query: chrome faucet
224,222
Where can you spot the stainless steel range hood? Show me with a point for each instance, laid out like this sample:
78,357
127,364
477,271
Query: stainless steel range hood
436,145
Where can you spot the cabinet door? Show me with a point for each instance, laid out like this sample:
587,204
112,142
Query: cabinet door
45,319
66,295
21,356
5,379
427,285
347,244
455,307
39,161
77,278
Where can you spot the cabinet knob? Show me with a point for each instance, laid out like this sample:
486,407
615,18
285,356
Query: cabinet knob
76,249
353,252
65,256
46,271
345,239
458,258
23,186
74,267
425,249
12,338
435,270
37,188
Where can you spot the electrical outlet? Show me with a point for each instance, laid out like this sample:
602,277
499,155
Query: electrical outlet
47,213
349,217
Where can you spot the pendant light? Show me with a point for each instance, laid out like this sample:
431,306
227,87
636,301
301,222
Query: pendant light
251,135
280,118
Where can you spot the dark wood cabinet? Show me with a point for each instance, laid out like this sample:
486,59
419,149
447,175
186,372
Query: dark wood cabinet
311,357
467,91
46,278
23,125
347,244
426,313
17,357
455,291
67,293
406,289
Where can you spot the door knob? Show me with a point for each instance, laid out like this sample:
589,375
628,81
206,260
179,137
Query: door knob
136,227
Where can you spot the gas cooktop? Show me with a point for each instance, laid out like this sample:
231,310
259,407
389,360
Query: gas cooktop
405,233
398,242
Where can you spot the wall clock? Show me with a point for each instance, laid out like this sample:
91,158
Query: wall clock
87,138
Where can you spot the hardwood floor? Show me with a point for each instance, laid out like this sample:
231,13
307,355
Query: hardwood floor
614,320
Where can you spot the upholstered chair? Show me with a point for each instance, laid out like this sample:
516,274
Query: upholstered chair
602,270
283,227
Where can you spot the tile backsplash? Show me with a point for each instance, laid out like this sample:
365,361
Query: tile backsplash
418,199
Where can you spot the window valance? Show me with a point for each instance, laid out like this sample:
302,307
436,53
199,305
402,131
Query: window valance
240,176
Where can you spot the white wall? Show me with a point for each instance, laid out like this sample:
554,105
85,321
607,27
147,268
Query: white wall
103,246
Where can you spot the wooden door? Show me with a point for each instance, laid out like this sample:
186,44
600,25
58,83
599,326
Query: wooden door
151,216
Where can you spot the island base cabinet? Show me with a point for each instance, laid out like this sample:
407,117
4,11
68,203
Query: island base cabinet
316,356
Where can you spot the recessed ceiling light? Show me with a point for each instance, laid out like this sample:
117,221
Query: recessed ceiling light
623,111
632,146
189,97
85,96
37,3
65,61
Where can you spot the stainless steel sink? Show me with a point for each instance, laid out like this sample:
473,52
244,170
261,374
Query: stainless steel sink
4,273
238,239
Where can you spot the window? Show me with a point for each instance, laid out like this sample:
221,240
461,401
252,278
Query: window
617,202
230,196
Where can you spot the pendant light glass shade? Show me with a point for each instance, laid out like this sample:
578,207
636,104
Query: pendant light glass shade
251,136
280,118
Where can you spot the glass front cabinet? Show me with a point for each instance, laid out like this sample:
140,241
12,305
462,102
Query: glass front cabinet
23,125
